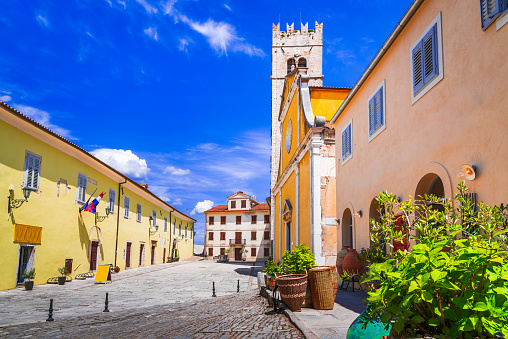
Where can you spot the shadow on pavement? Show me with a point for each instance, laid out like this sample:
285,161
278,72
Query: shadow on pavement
352,300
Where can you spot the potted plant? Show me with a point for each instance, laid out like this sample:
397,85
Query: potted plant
453,282
293,284
244,252
63,271
271,269
116,269
29,276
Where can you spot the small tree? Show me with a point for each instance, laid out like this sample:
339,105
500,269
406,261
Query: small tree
454,281
298,261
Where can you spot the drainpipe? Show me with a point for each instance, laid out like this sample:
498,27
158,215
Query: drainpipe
170,254
118,217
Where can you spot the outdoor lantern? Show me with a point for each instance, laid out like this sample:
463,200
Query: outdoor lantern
26,193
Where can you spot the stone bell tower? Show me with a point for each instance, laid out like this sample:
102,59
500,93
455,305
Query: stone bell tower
291,49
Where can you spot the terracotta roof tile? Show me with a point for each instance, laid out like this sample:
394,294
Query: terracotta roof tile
262,206
218,208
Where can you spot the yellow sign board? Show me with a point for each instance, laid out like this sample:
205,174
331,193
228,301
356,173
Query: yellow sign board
103,275
27,234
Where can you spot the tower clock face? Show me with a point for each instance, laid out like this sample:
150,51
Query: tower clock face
289,134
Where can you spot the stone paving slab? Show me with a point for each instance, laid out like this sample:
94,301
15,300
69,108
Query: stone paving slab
239,315
179,282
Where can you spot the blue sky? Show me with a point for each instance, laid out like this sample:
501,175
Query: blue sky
173,93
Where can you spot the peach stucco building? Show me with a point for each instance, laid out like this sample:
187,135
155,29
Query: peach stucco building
433,98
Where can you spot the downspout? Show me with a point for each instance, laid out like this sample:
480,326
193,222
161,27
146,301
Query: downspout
118,217
170,253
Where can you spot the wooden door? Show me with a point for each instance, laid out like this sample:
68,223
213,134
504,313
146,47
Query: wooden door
164,256
401,227
238,238
238,254
152,259
93,255
128,255
141,254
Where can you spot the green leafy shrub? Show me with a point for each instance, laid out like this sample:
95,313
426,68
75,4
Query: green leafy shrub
271,268
29,275
454,281
298,261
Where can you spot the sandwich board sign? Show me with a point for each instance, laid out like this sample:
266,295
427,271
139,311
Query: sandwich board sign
103,275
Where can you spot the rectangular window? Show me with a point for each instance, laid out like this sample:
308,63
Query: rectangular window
126,202
138,213
111,201
253,235
165,224
81,194
254,219
253,252
179,230
267,219
222,235
233,204
238,219
490,10
377,111
211,220
347,148
32,171
191,232
154,217
267,235
267,252
186,231
223,220
210,252
222,251
244,203
426,60
210,235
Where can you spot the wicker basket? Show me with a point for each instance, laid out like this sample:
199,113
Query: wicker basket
323,287
292,289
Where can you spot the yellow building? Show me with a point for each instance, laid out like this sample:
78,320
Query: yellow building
48,231
304,192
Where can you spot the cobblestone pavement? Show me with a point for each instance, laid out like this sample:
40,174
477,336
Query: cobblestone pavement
239,315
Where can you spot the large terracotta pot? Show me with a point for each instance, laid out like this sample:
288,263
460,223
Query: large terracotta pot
270,283
352,264
292,288
340,259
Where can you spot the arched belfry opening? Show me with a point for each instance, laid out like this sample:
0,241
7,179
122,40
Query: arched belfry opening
302,62
291,65
347,228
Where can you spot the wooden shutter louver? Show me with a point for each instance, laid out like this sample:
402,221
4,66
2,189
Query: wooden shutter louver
371,116
430,56
417,68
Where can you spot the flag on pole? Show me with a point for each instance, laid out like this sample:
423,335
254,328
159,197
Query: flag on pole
93,205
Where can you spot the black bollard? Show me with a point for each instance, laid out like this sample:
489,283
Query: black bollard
213,289
238,286
107,302
50,315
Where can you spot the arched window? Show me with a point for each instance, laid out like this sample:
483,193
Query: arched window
291,65
302,62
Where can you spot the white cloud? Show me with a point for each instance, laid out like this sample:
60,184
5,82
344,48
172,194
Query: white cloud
109,3
148,8
123,4
42,20
168,7
124,161
166,199
346,56
176,171
222,36
183,45
43,118
228,8
5,98
202,206
177,202
152,33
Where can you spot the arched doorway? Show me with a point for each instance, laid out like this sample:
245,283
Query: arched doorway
347,228
430,184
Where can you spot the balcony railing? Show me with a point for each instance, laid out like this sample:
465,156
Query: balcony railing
236,241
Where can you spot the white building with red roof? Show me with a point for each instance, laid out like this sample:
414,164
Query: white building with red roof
240,229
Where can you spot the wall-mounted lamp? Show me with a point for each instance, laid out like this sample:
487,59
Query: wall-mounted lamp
467,172
154,228
99,218
16,203
358,214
